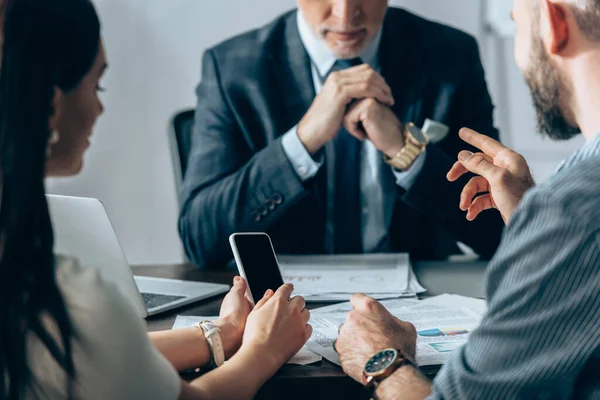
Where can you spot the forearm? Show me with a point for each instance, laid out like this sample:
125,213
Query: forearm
407,383
187,348
183,348
240,378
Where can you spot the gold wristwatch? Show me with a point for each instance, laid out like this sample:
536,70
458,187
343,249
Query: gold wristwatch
415,143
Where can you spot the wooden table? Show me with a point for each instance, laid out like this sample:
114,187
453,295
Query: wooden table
322,380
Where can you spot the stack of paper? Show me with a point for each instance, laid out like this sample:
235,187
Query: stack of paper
443,325
304,357
338,277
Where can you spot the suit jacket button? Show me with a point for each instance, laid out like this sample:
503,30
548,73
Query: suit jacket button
263,211
277,198
256,216
270,204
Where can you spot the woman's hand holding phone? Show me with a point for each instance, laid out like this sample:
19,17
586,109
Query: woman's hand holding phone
232,317
277,328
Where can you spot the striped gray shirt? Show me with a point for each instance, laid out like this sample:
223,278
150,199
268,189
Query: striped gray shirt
541,336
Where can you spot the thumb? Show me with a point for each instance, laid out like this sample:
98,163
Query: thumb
479,164
239,284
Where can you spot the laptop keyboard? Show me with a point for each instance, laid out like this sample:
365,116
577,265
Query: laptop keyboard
152,300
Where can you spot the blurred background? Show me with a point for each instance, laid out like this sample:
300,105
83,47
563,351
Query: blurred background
154,49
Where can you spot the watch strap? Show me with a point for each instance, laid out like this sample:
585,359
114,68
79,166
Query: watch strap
372,382
213,337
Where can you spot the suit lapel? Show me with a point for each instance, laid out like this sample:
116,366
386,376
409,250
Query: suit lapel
400,64
295,90
292,72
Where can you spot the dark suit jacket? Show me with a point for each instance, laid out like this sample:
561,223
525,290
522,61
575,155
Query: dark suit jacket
257,86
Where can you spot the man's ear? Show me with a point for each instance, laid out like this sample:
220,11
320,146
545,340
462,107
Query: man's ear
55,109
554,26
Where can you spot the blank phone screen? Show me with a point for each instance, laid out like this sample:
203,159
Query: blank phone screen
260,264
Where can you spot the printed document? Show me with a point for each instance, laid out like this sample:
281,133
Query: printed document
440,329
304,357
338,277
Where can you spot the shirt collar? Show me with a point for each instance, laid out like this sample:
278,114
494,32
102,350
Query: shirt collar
589,149
321,56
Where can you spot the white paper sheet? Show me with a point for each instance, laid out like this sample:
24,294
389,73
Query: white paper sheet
341,261
413,283
441,330
337,312
304,357
457,301
184,321
335,297
338,277
324,334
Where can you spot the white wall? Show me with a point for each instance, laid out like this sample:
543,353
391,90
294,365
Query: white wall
154,49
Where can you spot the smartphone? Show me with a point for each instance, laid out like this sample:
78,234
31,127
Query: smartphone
256,262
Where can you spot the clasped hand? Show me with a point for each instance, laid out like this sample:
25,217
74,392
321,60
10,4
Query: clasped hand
359,99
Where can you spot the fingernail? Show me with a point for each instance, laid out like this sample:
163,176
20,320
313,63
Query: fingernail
268,293
236,279
464,155
291,285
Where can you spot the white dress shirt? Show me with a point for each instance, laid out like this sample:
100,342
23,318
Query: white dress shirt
377,193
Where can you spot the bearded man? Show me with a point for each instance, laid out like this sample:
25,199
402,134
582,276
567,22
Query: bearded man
540,336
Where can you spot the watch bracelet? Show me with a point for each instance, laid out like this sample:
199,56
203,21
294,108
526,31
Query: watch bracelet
408,154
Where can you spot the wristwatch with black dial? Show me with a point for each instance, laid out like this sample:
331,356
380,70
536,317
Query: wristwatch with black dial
382,365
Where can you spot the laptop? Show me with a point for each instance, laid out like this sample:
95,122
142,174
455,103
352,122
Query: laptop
83,230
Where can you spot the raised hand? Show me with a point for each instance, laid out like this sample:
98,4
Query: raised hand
504,176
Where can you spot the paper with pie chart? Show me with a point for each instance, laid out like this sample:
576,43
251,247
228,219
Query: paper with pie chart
330,278
440,329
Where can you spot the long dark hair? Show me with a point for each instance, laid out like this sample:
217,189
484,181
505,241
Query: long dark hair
48,44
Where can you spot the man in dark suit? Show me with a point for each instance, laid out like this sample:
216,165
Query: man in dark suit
302,131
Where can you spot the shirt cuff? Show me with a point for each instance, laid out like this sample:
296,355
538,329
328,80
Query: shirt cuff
306,166
405,179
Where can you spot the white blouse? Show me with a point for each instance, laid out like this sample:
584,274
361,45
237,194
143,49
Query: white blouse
113,356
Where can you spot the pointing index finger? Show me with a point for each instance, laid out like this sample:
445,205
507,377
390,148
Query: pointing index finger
484,143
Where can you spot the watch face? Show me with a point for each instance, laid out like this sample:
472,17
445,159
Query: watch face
380,361
417,134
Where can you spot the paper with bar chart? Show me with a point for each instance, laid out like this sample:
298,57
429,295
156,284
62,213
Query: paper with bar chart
440,329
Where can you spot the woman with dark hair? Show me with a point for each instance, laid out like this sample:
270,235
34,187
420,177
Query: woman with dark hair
64,332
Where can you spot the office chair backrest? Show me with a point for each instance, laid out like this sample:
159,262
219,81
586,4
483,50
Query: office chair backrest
180,140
